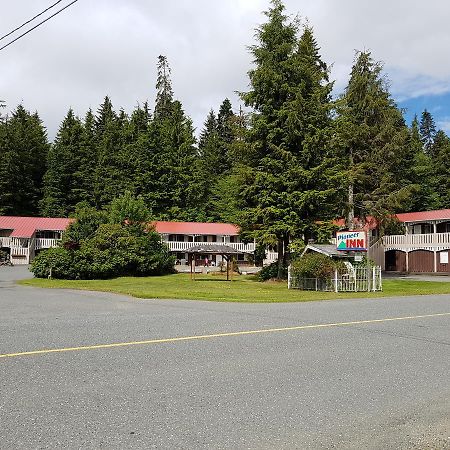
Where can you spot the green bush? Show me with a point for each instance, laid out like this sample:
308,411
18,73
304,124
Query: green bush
316,265
271,271
114,250
54,262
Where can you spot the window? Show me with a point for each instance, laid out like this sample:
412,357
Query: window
443,227
443,257
427,228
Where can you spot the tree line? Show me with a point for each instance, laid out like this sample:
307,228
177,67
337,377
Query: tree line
297,159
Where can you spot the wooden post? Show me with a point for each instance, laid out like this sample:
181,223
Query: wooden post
232,268
195,263
228,268
335,280
190,264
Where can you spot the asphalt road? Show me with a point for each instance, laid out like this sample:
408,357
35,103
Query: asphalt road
366,385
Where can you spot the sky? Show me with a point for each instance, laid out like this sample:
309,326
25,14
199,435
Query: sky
110,47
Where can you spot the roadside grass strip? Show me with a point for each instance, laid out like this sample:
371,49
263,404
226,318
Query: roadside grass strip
243,288
216,335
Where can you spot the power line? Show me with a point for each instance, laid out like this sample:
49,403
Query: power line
39,24
31,20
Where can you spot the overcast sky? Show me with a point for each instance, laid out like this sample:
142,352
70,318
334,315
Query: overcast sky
110,47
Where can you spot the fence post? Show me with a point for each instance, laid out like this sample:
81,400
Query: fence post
374,286
289,276
335,280
317,281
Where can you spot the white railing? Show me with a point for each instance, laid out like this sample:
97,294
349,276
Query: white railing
175,246
46,243
5,242
270,257
409,242
360,279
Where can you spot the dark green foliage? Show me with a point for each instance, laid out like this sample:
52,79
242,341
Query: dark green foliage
374,143
316,265
128,210
93,248
61,185
164,95
87,220
23,154
427,131
296,160
271,272
114,250
289,179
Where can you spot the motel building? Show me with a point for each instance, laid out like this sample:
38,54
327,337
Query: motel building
24,237
181,236
424,248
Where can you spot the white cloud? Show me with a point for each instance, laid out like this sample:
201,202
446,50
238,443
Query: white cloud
111,46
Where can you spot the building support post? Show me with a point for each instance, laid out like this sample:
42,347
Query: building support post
435,261
407,261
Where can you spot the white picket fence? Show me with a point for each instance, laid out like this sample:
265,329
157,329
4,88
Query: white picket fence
360,279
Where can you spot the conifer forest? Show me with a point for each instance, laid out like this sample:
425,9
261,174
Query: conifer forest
294,154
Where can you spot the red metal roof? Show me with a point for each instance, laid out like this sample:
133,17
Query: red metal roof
202,228
26,226
369,224
440,214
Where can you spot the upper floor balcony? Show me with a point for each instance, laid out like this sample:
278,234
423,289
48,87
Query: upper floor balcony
175,246
410,242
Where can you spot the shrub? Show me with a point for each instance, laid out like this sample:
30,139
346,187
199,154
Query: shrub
55,262
271,271
316,265
114,250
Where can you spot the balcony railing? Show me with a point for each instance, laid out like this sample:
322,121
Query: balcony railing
409,242
175,246
5,242
46,243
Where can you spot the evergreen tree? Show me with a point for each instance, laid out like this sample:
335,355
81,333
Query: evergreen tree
23,154
105,115
427,131
60,182
164,95
284,187
441,166
86,163
225,122
421,174
174,192
374,143
109,136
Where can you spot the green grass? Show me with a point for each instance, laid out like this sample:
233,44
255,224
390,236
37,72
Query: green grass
241,289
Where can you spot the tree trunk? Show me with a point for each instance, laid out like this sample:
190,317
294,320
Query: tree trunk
280,248
351,202
351,211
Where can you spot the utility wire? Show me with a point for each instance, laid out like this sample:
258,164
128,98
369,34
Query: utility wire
39,24
31,20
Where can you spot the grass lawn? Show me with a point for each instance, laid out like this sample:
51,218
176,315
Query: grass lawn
241,289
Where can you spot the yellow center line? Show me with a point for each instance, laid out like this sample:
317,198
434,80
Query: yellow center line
217,335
